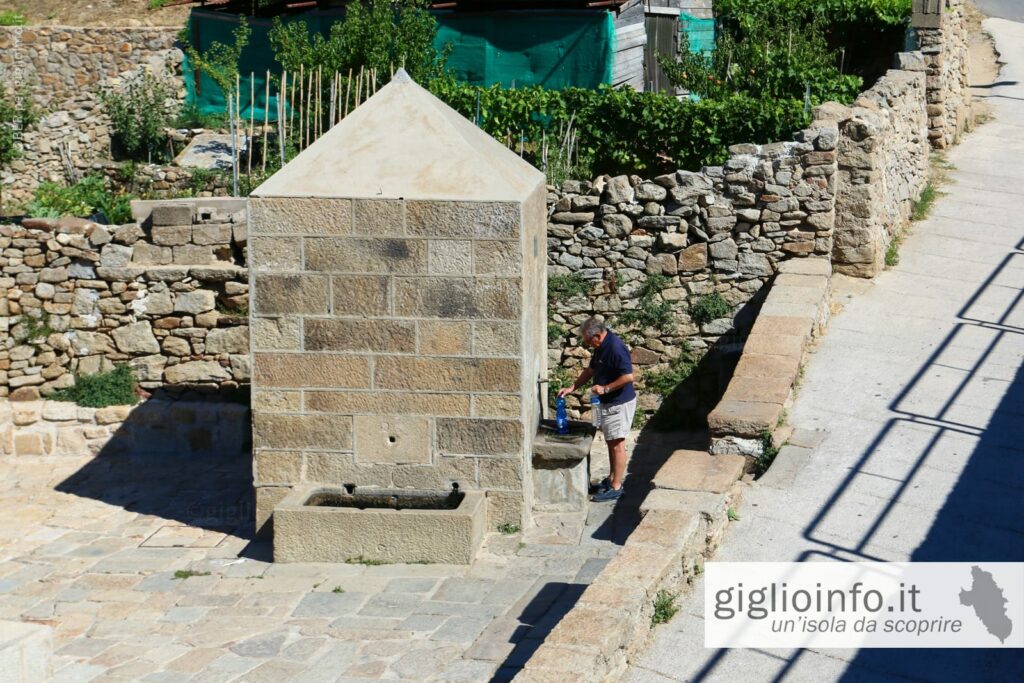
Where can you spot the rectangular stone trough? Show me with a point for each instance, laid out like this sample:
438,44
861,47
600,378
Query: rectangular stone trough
561,467
351,524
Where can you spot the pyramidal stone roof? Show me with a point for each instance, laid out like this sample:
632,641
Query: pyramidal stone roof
405,143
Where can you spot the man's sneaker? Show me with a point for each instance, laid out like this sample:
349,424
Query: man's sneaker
607,495
601,486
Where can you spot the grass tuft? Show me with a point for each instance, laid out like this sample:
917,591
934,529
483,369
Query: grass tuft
664,608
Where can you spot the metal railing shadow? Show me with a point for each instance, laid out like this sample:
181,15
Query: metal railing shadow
981,518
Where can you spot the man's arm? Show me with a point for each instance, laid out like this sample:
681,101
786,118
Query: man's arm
580,381
621,381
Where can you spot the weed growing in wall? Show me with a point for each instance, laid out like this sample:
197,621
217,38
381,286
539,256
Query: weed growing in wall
113,388
651,310
664,607
708,307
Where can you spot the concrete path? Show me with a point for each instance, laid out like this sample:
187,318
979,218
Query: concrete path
918,384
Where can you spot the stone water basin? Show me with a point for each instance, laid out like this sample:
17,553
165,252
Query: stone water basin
561,467
364,523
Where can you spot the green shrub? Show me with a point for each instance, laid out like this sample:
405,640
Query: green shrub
190,116
708,307
764,56
12,17
86,197
139,115
113,388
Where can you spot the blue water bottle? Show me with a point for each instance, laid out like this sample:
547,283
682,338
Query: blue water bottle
595,410
561,419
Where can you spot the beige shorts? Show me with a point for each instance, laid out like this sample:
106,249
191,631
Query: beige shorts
617,420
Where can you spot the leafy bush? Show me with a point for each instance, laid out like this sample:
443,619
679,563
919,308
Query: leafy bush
12,17
113,388
556,333
139,115
761,56
85,198
708,307
190,116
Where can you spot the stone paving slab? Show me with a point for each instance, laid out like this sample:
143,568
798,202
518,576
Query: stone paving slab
111,558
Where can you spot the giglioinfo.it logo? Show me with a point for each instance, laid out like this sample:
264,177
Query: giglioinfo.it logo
864,604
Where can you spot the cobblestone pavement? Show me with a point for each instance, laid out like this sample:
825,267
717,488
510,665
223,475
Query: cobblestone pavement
144,571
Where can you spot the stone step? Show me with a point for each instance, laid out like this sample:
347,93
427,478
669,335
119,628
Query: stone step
699,471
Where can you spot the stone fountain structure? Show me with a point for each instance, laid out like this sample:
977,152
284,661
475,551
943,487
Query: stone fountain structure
398,335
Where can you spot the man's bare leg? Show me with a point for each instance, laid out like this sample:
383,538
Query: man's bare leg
617,461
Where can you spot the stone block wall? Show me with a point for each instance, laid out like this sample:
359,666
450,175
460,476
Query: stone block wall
160,427
723,229
388,340
64,68
168,296
946,55
883,166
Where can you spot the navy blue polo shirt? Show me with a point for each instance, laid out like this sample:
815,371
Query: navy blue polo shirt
610,361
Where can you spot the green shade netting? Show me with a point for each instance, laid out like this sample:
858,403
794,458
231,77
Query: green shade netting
548,48
700,33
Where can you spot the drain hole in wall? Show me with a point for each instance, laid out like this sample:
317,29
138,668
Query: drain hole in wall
392,439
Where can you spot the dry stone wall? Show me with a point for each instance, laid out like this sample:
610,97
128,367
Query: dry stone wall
724,229
168,296
64,68
883,166
946,55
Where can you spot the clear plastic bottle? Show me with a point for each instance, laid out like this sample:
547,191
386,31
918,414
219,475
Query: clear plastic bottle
595,410
561,418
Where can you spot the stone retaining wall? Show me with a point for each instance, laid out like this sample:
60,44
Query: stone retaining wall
724,229
795,312
168,295
155,427
883,166
64,68
946,54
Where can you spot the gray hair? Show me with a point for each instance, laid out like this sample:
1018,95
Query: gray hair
592,327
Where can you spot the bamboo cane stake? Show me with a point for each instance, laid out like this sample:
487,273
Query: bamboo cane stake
319,128
281,104
348,90
310,108
302,80
252,127
266,123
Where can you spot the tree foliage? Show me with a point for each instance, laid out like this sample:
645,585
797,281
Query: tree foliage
220,61
377,34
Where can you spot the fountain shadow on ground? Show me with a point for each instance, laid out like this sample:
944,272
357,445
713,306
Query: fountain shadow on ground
183,456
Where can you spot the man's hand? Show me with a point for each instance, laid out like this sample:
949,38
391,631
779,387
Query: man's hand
599,390
564,391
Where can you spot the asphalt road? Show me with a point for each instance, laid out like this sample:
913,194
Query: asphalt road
1004,9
